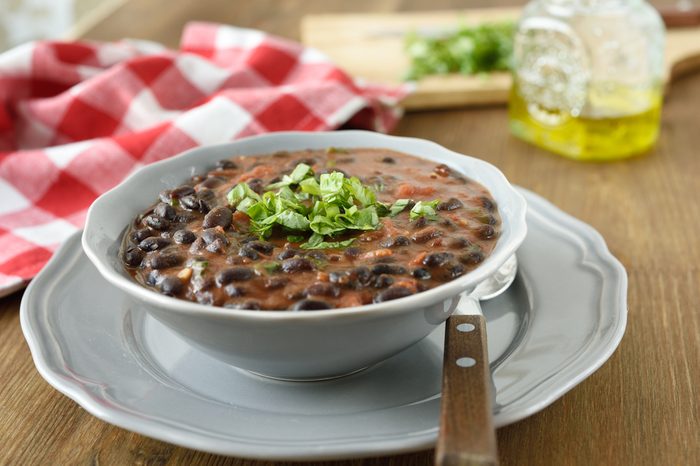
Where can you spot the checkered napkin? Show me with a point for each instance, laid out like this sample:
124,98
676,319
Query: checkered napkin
77,117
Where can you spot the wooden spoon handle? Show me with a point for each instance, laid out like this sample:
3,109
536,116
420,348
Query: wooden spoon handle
467,436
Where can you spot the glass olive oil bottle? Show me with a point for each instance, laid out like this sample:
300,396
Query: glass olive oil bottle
588,77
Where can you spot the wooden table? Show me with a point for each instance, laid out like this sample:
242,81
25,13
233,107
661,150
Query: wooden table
642,407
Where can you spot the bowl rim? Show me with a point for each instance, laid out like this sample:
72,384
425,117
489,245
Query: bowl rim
416,301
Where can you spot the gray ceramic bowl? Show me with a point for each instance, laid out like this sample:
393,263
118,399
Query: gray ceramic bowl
297,345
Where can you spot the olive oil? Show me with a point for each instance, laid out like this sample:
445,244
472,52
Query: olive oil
614,124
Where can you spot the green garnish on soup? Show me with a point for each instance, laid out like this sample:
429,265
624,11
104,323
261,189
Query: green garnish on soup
327,207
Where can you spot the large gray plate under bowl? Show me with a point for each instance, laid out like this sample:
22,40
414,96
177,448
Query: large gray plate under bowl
560,320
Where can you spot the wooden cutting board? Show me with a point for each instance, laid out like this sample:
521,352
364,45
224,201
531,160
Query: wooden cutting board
371,46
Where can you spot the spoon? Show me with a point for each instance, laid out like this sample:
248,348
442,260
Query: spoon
467,436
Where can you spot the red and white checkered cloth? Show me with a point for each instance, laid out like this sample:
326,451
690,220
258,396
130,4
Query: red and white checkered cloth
77,117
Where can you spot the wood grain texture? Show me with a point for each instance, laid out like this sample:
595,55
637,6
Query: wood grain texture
641,408
371,46
467,436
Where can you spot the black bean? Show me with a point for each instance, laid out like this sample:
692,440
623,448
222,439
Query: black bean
394,242
203,201
361,275
451,204
183,217
184,237
181,191
388,269
310,305
190,202
426,234
169,194
288,253
437,259
486,232
458,243
234,291
133,257
157,223
420,223
322,289
163,261
249,305
226,164
250,253
352,252
389,160
219,216
139,235
442,170
261,246
446,222
234,274
257,185
164,210
153,277
421,274
212,182
212,234
487,203
455,270
274,283
472,258
393,292
171,286
318,255
487,219
297,264
205,205
153,243
218,246
198,245
383,281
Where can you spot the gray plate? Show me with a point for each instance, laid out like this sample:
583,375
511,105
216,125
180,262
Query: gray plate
561,319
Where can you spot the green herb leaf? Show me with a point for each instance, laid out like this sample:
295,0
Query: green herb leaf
292,220
331,206
300,172
327,244
469,50
240,192
398,207
424,209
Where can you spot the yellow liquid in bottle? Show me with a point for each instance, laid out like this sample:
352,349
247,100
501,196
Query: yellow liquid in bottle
625,122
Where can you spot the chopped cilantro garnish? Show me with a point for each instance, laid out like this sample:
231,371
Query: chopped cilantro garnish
330,206
468,50
424,209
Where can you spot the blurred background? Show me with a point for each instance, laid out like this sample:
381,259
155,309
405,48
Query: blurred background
25,20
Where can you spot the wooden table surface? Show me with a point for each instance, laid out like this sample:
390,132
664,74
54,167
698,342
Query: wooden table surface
642,407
